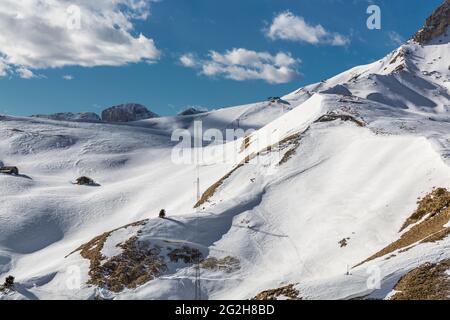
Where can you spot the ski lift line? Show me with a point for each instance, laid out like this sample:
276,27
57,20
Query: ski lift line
197,284
199,245
196,244
300,260
206,279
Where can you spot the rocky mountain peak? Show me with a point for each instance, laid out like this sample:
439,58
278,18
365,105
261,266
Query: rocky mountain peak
126,113
436,25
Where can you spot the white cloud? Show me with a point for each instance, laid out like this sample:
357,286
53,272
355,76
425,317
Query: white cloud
25,73
188,60
287,26
396,39
57,33
242,64
339,40
67,77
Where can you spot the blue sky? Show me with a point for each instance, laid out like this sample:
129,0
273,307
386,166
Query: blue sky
34,83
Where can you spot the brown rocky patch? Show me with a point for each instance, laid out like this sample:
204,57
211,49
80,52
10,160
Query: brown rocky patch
245,143
436,25
213,188
432,204
343,117
344,242
288,292
186,254
137,264
434,212
291,142
227,264
427,282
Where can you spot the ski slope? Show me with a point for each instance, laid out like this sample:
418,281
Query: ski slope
275,205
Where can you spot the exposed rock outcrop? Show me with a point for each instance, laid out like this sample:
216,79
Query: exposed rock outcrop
429,281
436,25
127,112
284,293
338,89
191,111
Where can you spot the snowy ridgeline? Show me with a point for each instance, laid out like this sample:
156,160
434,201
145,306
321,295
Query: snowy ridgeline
121,113
315,214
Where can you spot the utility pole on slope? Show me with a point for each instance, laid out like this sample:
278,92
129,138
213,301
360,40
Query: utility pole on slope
197,284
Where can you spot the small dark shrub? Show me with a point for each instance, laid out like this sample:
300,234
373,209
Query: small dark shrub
8,284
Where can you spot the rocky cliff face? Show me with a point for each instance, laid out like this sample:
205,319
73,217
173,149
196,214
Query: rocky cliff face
436,25
126,113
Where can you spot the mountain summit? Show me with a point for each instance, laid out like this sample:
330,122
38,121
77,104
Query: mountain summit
436,25
126,113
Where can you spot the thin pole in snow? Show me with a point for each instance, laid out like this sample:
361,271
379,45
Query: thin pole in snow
197,284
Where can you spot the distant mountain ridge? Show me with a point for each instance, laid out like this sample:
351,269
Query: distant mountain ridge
121,113
127,112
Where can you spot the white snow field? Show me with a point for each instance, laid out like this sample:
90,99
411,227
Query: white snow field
276,213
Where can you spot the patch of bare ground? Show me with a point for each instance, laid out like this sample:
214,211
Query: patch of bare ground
186,254
427,282
344,242
245,143
287,292
136,265
227,264
343,117
399,55
399,68
433,212
432,204
291,142
213,188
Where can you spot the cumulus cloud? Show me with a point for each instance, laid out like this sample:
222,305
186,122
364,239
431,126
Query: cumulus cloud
287,26
67,77
57,33
25,73
188,60
241,64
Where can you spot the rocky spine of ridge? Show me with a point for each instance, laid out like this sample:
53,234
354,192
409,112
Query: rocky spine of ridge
436,25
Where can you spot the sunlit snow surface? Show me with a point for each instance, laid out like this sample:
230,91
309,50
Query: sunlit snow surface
283,222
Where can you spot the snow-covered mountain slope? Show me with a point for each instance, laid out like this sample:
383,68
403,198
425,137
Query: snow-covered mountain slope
413,77
319,201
